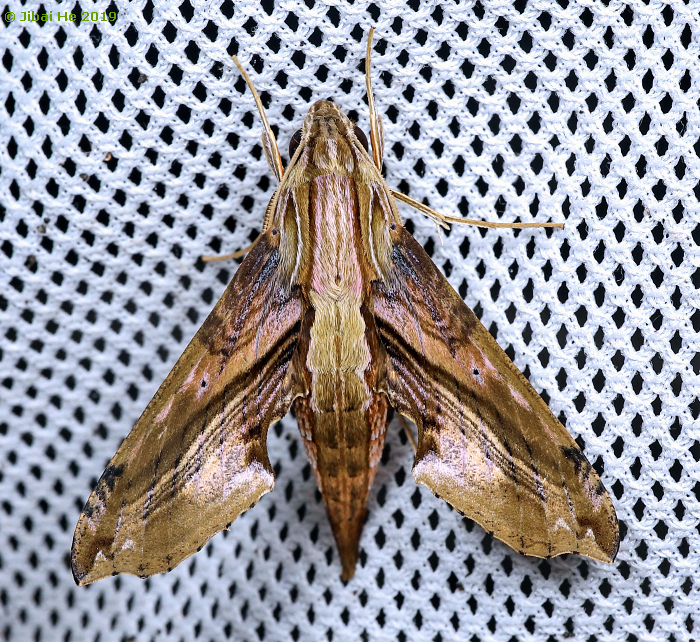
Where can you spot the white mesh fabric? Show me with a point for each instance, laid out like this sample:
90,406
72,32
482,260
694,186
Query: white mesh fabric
128,151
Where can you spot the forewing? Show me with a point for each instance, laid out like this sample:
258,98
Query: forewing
197,457
488,444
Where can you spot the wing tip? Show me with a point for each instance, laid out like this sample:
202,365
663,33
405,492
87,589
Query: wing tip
601,551
79,576
601,544
79,572
606,532
82,575
610,545
90,562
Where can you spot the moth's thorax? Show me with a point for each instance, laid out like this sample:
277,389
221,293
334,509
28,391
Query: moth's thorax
334,208
321,212
338,285
338,278
337,253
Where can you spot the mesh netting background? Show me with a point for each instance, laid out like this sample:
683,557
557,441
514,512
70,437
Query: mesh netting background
129,151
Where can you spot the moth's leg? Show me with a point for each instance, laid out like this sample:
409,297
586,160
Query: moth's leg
376,132
235,255
408,432
443,219
272,152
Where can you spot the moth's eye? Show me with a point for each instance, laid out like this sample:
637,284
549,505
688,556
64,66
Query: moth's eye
361,137
294,143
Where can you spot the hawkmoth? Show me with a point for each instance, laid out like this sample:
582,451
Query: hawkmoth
338,310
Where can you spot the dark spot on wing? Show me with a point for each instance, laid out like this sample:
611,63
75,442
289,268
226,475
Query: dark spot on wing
110,475
106,484
149,500
88,509
204,383
577,457
254,432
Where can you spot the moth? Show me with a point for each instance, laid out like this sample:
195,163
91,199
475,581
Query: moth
338,310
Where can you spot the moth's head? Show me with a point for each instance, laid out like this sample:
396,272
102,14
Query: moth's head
325,122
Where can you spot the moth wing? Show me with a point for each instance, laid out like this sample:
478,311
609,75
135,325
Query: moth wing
488,444
197,457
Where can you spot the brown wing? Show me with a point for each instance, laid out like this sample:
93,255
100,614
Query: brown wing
488,444
197,457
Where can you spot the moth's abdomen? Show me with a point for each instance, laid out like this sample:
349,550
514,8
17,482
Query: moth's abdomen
344,449
342,420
